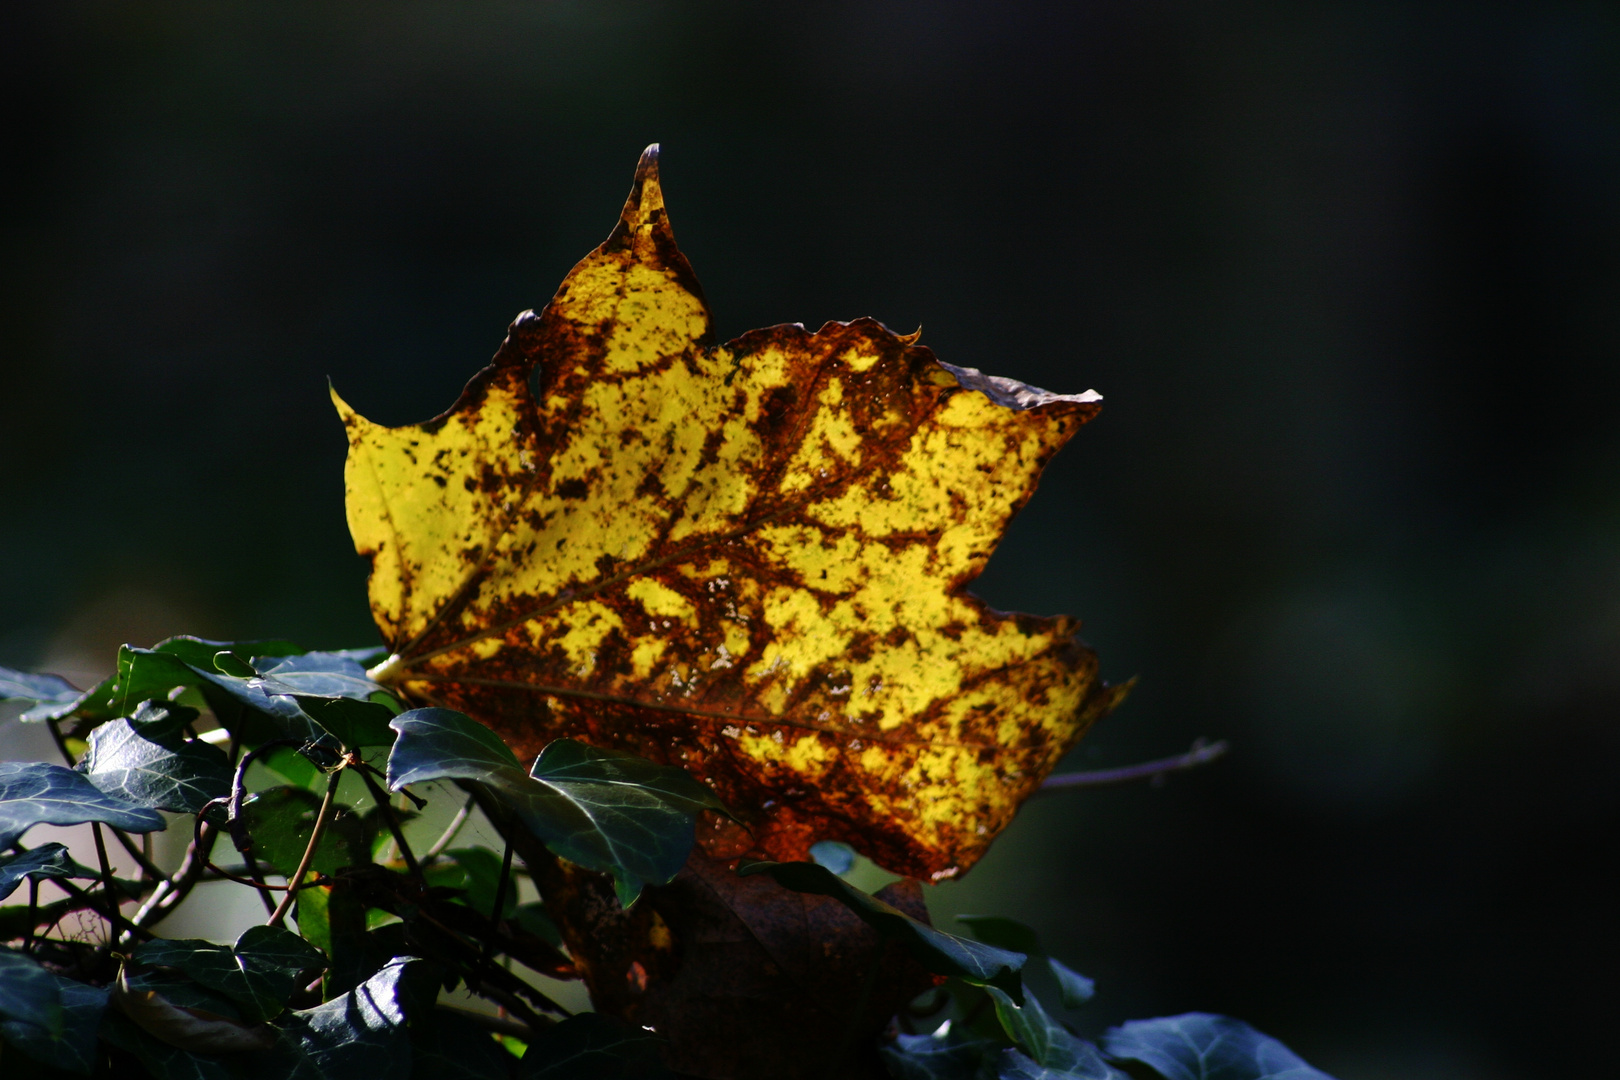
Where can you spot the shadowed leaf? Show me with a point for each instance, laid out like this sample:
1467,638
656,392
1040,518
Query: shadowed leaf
1051,1045
73,1048
280,819
944,1057
29,993
602,810
46,861
941,953
748,559
593,1047
361,1035
258,973
1074,988
446,1046
36,793
1202,1046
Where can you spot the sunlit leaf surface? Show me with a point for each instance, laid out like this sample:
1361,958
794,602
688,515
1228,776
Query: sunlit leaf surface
747,559
36,793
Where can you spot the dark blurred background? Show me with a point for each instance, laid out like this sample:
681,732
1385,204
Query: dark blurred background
1348,275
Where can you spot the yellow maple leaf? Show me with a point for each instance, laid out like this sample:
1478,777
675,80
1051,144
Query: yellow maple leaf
747,559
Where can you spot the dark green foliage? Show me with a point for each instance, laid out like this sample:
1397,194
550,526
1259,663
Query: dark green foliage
46,861
941,953
35,793
605,811
360,1035
948,1056
29,993
1201,1046
258,973
1074,988
280,819
72,1048
593,1047
199,1010
448,1046
1048,1043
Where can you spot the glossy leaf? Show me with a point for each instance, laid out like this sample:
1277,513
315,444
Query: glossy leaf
937,1057
591,1046
29,993
939,952
1074,988
602,810
1202,1046
46,861
1051,1045
361,1035
748,559
258,973
143,761
73,1048
36,793
49,690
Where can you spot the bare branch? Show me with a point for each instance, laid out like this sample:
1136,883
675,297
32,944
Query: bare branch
1202,753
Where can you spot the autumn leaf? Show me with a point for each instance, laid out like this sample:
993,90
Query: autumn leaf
747,559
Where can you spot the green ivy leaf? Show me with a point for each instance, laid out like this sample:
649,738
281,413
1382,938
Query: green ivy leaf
48,690
36,793
162,1061
947,1056
591,1046
600,809
29,993
1049,1043
46,861
1202,1046
258,973
1013,1065
481,873
1074,988
361,1035
280,819
145,761
73,1048
446,1046
939,952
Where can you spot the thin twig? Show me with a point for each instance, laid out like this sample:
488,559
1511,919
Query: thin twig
1202,753
315,835
500,901
114,913
184,879
142,859
391,820
449,835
